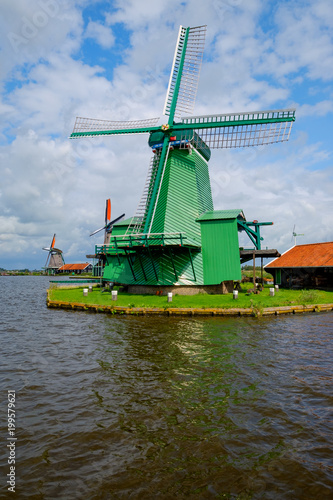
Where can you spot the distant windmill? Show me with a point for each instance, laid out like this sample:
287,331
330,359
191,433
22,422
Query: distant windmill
162,244
98,267
294,235
54,259
108,223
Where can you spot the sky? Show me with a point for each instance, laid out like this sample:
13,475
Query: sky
111,59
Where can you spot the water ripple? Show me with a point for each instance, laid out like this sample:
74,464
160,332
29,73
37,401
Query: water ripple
144,408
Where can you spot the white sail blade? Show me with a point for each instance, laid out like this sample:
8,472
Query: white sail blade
97,231
86,125
190,72
246,135
236,130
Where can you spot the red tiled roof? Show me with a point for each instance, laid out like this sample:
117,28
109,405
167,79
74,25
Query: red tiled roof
74,267
312,255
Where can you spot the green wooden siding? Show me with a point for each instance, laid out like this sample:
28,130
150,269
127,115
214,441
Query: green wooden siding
185,194
145,266
220,250
184,206
119,230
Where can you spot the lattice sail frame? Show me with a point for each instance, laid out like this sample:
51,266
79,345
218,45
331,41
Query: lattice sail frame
238,130
84,126
190,70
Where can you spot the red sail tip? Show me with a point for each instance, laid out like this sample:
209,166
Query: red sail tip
108,210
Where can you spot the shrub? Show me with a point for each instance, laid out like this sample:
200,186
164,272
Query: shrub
308,296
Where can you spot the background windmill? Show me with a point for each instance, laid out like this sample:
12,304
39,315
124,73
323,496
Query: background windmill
99,266
294,234
108,224
164,242
54,259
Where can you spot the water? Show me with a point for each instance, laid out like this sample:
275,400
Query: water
145,408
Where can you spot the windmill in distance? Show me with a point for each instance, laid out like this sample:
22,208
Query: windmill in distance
294,234
54,259
108,223
163,243
98,267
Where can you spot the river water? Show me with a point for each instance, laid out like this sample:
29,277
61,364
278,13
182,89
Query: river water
118,407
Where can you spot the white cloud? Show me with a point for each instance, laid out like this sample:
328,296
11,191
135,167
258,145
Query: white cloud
49,100
286,192
32,31
135,14
319,109
100,33
304,39
50,184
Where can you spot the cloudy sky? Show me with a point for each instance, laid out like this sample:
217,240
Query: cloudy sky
111,59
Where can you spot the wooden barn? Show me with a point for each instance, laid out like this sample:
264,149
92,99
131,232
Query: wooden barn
304,266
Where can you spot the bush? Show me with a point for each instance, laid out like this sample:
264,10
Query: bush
311,296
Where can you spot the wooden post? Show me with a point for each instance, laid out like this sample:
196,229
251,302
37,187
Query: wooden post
262,272
254,272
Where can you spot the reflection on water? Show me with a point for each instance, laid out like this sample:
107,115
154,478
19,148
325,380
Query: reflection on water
135,407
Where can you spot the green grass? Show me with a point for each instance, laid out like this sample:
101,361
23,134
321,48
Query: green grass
261,300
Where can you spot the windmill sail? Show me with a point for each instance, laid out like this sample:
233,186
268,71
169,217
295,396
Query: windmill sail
108,226
252,128
184,77
53,241
108,222
97,230
88,127
107,211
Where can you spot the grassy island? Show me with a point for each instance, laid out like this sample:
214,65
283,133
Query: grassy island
248,303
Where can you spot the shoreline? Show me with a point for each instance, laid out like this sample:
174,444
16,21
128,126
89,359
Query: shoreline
188,311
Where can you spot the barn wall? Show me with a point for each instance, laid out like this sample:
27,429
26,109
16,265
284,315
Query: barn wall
306,277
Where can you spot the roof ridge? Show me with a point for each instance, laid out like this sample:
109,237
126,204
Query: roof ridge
319,243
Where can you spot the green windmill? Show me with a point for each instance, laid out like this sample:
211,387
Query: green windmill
175,237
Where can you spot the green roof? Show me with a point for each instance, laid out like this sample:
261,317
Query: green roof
221,215
126,222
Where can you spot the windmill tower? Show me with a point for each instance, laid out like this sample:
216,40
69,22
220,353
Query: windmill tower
54,259
175,237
